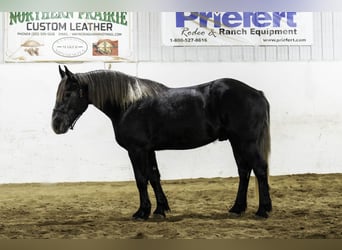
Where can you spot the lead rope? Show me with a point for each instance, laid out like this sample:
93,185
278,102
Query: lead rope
74,122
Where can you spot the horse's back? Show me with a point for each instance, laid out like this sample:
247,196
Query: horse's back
233,87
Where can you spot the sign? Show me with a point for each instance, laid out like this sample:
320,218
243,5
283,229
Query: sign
68,36
236,28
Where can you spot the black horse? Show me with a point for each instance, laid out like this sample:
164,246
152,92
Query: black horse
148,116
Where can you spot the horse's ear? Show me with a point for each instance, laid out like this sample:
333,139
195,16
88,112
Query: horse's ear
70,75
68,72
61,72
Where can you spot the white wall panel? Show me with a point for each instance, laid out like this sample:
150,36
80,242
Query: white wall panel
327,36
191,54
294,53
154,36
305,53
225,54
143,38
271,53
337,33
248,54
260,53
306,123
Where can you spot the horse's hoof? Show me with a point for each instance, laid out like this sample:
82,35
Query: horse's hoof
141,215
261,215
238,209
138,219
159,216
235,215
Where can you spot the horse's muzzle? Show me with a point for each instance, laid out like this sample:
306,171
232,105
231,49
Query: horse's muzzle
59,125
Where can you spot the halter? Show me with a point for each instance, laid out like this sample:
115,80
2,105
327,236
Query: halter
67,114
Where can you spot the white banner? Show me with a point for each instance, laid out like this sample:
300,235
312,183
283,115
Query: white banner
68,36
236,28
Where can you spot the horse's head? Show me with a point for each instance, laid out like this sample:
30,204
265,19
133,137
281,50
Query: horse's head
71,102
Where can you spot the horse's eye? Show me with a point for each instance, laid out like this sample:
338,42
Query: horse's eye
67,94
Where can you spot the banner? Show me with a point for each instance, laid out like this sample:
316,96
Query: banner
68,36
236,28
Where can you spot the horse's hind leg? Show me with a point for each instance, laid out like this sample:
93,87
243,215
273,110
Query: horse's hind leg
260,170
139,161
248,158
154,177
244,170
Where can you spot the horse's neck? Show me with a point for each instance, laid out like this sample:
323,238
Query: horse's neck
114,103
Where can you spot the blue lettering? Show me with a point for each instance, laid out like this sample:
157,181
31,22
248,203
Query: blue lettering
290,19
236,19
217,19
231,19
204,17
247,16
262,19
181,18
277,16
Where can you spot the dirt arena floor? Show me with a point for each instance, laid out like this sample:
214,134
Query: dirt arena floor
305,207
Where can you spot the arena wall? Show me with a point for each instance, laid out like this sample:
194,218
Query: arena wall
305,123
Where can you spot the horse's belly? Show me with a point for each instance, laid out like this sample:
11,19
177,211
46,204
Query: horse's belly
180,145
183,137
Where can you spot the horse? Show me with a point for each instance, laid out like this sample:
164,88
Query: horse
148,116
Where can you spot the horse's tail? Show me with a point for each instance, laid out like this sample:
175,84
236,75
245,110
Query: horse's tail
264,142
265,138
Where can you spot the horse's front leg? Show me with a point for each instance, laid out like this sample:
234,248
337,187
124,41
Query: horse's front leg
154,178
139,160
